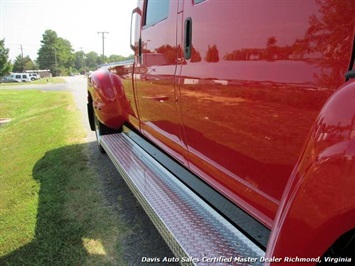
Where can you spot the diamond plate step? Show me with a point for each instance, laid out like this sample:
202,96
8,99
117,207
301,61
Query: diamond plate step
191,228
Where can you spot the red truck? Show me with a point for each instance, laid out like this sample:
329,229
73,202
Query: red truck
234,125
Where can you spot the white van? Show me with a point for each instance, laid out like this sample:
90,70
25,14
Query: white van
34,76
20,77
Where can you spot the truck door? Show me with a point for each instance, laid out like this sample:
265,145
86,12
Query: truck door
155,76
254,78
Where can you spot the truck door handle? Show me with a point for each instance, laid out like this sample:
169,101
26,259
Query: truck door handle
159,98
188,38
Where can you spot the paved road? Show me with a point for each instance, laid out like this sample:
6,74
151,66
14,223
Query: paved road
144,240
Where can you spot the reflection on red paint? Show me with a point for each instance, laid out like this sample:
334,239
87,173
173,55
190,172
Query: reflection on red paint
239,111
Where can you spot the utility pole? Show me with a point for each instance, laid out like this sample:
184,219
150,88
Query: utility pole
22,62
55,61
103,43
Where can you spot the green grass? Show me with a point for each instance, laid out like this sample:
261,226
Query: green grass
51,209
55,80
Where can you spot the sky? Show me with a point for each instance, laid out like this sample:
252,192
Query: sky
23,23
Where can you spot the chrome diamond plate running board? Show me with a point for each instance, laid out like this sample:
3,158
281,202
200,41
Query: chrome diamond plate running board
194,231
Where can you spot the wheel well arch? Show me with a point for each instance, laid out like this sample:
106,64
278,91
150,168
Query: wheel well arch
106,99
344,246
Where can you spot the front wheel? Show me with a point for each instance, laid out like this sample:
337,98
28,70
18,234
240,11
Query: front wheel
101,129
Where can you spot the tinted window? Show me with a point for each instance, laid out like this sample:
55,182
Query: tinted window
198,1
156,10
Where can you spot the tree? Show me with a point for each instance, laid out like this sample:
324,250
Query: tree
271,48
212,55
5,63
91,60
22,64
326,37
55,54
65,55
101,60
79,60
195,55
115,58
47,54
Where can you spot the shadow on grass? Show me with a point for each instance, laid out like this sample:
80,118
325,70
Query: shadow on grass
70,213
58,237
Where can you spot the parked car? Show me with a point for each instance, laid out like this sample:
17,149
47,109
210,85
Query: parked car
34,76
20,77
5,80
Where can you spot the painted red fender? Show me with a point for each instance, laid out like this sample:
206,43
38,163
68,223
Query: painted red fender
108,98
318,205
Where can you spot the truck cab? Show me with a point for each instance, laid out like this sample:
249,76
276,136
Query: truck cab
253,103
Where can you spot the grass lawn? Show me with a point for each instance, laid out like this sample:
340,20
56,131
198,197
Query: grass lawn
55,80
51,209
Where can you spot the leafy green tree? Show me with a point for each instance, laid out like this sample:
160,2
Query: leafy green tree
101,60
91,60
22,64
47,57
79,60
65,53
5,63
55,54
115,58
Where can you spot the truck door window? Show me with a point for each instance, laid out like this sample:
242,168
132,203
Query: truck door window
198,1
156,11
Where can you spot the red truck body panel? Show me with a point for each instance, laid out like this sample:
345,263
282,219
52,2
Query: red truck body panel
320,197
157,94
247,110
240,110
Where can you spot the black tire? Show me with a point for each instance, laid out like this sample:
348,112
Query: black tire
91,115
342,248
101,129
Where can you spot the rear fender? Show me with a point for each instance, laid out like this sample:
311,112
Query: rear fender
318,205
109,101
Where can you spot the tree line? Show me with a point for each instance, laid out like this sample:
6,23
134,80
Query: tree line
57,55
